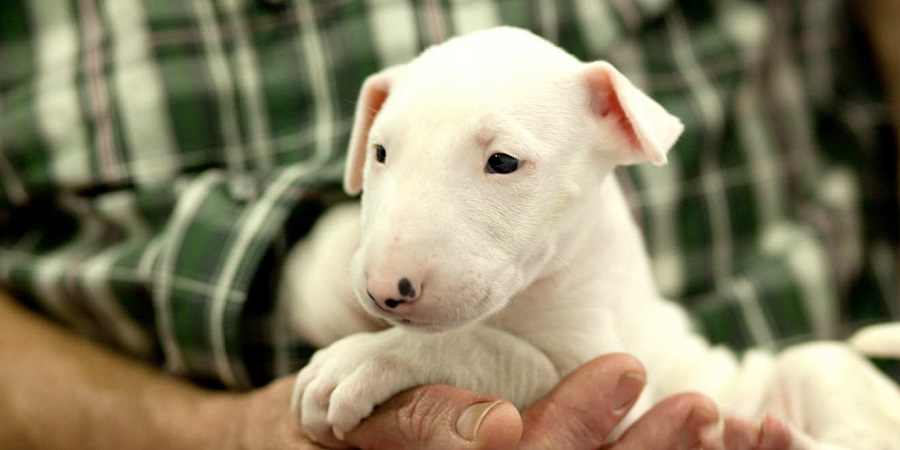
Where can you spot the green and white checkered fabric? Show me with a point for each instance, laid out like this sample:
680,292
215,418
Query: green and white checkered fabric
158,158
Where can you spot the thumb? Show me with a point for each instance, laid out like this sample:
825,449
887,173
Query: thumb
586,406
439,416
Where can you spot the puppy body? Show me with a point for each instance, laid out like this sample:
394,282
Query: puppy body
504,282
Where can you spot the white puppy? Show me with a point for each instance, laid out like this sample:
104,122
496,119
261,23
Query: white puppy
500,250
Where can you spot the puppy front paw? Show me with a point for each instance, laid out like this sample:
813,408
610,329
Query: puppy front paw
344,382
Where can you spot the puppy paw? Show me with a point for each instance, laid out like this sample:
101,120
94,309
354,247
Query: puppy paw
343,383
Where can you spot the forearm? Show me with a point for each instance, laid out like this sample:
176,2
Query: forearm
58,391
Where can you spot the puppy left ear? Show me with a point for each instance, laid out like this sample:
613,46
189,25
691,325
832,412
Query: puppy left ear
647,128
372,95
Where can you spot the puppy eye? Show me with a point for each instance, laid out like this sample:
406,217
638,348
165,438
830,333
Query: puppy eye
501,163
380,153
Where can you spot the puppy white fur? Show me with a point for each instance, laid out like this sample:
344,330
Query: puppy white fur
505,282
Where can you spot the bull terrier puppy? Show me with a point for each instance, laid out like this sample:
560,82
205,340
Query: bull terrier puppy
494,250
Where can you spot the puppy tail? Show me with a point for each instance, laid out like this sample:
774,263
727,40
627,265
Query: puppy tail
880,341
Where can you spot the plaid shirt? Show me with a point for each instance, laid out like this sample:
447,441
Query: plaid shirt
158,158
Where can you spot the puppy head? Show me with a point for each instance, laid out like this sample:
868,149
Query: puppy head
472,160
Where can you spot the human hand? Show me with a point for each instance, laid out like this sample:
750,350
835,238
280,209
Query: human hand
580,413
585,408
434,416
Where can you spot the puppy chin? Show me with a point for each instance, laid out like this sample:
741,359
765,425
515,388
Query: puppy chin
423,323
428,327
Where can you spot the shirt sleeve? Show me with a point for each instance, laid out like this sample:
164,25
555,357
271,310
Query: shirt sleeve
216,275
152,159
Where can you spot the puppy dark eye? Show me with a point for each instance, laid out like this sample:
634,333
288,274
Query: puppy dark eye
380,153
501,163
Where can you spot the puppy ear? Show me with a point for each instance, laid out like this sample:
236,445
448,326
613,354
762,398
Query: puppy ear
372,96
649,130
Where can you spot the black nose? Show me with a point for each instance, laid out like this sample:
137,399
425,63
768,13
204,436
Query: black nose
406,288
392,303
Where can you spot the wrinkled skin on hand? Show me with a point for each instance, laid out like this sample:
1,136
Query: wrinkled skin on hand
580,413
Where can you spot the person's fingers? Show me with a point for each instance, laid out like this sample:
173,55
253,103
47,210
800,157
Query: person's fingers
739,434
585,407
771,434
774,435
439,416
678,422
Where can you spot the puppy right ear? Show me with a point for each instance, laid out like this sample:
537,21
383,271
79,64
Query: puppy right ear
374,92
649,131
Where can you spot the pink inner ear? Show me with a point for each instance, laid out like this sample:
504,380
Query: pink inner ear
606,103
374,94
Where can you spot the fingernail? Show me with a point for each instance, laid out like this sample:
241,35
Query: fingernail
698,420
469,421
711,437
769,424
627,391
